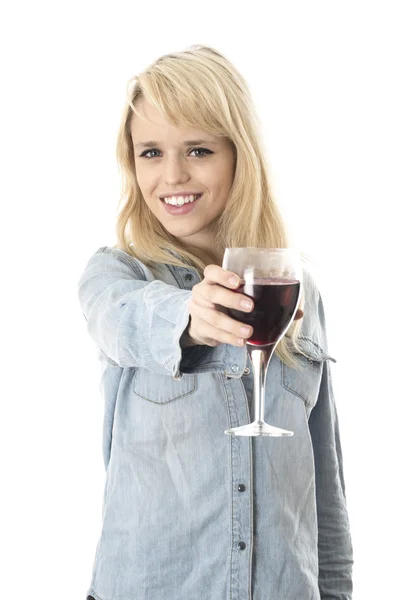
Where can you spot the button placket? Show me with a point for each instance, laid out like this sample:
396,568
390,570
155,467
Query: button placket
241,466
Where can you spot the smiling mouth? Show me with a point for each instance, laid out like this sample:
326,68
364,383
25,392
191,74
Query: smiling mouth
180,200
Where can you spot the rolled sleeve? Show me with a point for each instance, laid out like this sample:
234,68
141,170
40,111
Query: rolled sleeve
135,322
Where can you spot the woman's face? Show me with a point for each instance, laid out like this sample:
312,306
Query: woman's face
173,160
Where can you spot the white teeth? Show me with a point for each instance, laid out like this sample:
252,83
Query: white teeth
180,200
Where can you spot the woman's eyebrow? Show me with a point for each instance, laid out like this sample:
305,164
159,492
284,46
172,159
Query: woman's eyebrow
187,143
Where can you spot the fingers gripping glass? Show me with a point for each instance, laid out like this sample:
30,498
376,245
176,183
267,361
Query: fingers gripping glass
272,277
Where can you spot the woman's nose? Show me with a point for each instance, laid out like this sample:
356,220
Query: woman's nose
175,169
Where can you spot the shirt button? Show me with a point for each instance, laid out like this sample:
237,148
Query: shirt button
246,371
241,546
241,487
234,368
188,277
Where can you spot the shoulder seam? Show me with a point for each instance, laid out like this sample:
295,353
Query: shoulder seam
130,261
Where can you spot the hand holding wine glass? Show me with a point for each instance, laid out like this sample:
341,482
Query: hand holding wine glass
209,324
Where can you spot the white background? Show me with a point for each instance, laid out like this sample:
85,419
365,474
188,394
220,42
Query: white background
324,77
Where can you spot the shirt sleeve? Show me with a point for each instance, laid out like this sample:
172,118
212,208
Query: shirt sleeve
134,322
334,541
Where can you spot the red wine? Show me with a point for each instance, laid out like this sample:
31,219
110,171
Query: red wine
275,301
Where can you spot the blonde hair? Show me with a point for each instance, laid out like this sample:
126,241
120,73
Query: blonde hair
200,88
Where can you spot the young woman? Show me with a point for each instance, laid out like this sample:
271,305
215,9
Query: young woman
189,512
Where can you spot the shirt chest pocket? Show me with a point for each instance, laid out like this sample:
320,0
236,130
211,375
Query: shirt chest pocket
162,389
305,382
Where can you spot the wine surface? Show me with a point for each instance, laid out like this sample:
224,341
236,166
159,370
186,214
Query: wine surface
275,301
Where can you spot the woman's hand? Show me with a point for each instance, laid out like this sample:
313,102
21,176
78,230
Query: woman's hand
209,325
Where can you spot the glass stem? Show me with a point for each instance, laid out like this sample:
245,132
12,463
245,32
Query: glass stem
260,358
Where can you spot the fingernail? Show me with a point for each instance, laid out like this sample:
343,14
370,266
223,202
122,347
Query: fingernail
245,330
233,281
246,304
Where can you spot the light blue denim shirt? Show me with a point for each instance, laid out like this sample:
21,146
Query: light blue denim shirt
190,513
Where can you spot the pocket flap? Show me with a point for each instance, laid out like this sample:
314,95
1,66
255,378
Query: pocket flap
305,382
162,389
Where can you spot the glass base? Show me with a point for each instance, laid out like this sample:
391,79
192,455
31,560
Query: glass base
259,428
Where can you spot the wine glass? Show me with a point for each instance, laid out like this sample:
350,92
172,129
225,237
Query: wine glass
272,277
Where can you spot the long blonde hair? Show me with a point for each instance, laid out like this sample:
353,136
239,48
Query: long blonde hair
200,88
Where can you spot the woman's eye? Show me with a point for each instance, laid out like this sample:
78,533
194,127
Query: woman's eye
203,151
144,154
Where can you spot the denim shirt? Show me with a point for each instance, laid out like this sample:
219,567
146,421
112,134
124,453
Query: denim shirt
189,512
